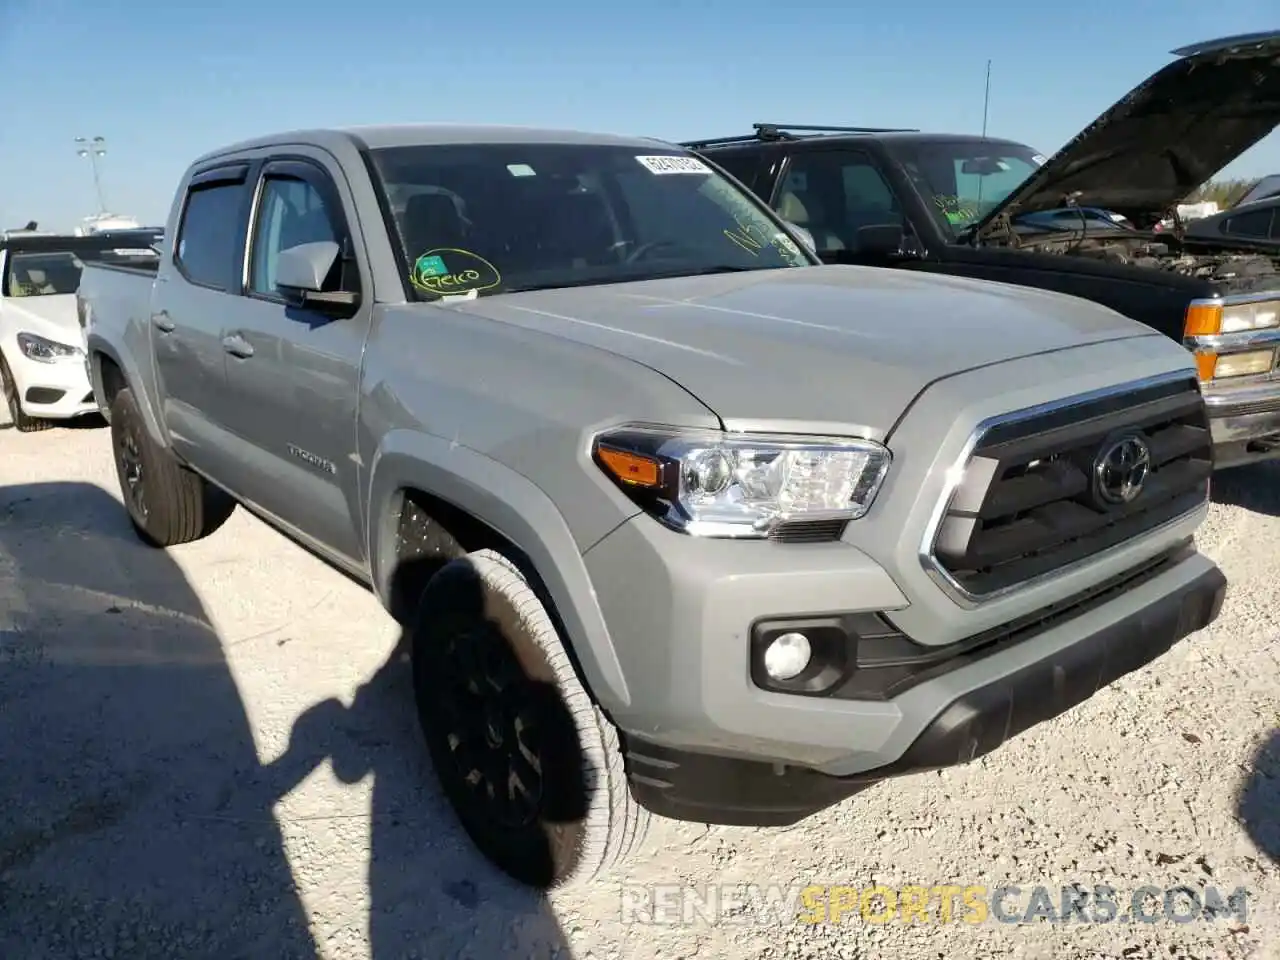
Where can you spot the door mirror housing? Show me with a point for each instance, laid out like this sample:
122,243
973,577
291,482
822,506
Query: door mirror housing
300,275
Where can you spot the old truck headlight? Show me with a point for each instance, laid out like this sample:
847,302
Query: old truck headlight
714,484
42,349
1263,315
1211,318
1213,328
1249,363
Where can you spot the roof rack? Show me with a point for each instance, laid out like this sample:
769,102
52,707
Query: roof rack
787,131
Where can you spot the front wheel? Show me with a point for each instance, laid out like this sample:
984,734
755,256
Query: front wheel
532,768
167,503
21,422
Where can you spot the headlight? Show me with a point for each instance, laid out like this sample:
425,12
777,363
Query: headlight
44,350
1207,319
714,484
1246,364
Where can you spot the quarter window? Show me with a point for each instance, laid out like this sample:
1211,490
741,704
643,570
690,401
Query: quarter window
740,165
1256,223
291,212
210,234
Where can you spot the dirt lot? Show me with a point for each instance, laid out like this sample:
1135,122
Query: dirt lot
212,753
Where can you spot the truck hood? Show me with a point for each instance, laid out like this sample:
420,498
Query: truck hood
1164,138
843,345
52,317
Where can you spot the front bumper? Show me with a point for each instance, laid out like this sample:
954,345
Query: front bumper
1069,663
53,391
1245,422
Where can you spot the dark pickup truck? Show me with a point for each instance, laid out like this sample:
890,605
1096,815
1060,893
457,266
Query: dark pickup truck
998,210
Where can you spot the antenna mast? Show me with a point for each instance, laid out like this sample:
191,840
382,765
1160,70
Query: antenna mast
986,101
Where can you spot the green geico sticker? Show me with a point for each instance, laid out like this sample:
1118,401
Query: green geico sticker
430,267
466,275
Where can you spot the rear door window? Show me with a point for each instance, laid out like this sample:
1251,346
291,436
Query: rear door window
210,235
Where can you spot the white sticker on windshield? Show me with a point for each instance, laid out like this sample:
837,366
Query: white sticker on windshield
520,170
673,164
1039,160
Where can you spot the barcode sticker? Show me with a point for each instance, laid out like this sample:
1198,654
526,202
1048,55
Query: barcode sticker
673,164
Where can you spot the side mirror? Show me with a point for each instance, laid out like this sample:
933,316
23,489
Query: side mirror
881,240
300,276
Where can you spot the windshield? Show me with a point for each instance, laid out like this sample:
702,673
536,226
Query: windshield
482,219
43,274
964,180
49,271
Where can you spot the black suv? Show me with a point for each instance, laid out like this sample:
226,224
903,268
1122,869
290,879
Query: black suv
1081,222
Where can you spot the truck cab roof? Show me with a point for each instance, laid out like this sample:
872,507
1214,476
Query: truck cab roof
425,134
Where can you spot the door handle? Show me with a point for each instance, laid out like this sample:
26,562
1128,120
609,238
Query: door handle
237,346
163,322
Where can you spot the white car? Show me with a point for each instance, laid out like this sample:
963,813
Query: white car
42,365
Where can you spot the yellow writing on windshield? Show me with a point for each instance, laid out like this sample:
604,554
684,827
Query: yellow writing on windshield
753,237
450,271
748,237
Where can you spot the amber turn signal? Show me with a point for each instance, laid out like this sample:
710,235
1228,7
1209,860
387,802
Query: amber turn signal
630,468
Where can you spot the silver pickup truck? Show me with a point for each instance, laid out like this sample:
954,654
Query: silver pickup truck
677,520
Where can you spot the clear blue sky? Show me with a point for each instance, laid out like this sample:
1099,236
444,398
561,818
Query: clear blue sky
164,80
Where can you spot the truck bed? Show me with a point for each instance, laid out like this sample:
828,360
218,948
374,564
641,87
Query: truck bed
110,294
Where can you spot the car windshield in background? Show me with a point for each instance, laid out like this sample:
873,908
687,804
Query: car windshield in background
43,274
481,219
967,179
49,271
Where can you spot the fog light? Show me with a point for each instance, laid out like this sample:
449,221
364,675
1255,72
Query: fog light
787,656
1243,364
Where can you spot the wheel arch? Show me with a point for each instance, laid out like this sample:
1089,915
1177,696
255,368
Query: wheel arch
429,498
109,374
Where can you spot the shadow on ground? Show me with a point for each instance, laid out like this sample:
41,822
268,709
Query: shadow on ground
1255,487
135,817
91,421
1259,804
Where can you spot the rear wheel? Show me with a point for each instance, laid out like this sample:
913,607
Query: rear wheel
167,503
532,767
21,422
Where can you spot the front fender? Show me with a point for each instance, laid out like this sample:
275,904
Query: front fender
515,508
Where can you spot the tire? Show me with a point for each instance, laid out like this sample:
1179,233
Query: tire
480,627
167,503
21,422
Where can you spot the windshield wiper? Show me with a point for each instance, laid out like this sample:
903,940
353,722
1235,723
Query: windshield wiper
599,281
559,285
707,271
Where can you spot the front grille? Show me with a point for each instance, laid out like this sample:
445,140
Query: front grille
1033,501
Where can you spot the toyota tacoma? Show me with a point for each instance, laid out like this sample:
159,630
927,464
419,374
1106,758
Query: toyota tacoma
677,519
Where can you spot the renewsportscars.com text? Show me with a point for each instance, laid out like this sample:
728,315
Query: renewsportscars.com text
713,904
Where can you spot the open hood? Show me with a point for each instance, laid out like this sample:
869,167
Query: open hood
1165,137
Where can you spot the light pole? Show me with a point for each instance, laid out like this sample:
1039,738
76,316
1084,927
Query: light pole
93,149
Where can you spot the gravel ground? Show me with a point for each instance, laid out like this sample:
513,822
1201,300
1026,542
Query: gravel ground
211,752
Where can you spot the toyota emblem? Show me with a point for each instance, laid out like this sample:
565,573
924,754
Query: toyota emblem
1121,469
